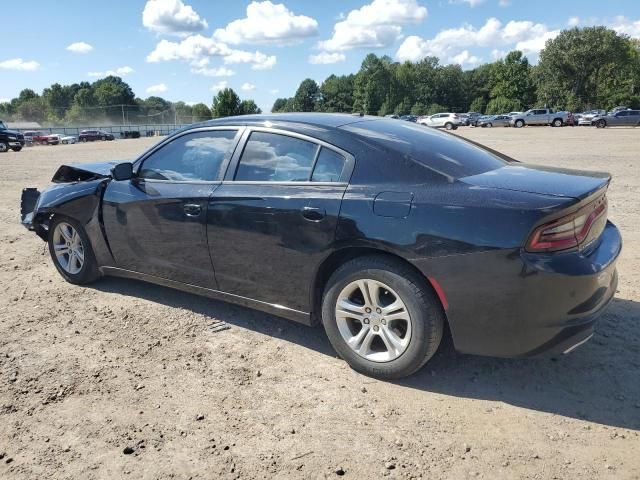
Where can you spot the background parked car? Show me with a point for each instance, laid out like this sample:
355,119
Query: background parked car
53,139
10,139
450,121
409,118
622,118
586,118
36,137
68,139
93,135
473,117
540,116
495,121
618,109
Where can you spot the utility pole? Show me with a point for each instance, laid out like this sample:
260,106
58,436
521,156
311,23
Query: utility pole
122,107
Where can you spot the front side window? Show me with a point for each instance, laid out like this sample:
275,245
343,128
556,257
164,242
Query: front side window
271,157
193,157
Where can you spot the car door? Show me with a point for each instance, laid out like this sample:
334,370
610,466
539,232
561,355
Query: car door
156,222
633,119
273,219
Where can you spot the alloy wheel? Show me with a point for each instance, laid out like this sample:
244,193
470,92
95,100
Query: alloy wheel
68,247
373,320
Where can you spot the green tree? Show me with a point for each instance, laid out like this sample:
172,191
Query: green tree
306,96
200,112
248,107
226,103
502,105
511,78
371,85
336,94
278,105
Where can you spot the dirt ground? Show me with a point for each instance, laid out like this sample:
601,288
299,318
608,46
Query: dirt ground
126,380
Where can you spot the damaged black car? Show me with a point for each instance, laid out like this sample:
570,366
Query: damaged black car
385,232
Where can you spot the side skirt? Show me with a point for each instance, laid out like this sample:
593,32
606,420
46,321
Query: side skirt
271,308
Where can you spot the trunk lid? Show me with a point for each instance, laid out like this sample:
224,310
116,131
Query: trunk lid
557,182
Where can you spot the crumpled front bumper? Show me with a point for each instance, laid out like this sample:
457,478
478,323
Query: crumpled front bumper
28,204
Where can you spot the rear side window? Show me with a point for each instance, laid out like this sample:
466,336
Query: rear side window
442,153
197,156
329,166
271,157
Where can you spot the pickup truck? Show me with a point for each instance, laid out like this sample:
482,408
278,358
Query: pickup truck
10,139
540,116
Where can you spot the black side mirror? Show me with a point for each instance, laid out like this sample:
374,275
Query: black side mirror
122,171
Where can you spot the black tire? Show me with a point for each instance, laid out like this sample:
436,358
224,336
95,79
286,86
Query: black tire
16,149
4,147
89,272
83,140
103,138
425,310
557,122
448,125
519,123
489,125
601,124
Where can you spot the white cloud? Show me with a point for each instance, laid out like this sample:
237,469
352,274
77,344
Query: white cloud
5,100
626,26
118,72
160,88
324,58
471,3
274,91
213,72
497,54
80,47
20,65
248,87
259,60
375,25
172,17
270,24
523,35
221,85
573,21
504,3
464,58
197,48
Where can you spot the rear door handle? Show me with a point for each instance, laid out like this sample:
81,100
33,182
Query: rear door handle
192,209
314,214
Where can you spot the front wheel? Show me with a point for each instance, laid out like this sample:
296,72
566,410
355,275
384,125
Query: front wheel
71,251
4,147
448,125
519,123
601,124
16,149
489,125
381,317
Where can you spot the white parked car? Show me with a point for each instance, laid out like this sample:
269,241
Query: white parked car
450,121
69,139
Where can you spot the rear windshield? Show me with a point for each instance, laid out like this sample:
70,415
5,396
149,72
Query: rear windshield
443,153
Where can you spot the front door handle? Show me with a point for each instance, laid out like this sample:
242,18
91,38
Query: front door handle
192,209
314,214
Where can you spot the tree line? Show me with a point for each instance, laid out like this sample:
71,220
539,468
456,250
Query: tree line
581,69
110,100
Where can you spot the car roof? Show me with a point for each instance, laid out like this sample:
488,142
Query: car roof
326,120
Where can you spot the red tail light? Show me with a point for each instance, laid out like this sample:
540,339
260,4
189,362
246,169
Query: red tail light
570,231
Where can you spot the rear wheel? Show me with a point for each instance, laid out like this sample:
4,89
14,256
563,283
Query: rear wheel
16,149
557,122
448,125
71,251
103,138
381,317
83,140
519,123
489,125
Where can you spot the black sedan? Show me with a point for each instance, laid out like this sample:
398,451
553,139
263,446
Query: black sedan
94,135
383,231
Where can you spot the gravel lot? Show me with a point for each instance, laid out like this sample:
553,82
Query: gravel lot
123,379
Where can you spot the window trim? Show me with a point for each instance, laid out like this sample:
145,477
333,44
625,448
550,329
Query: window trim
232,168
137,165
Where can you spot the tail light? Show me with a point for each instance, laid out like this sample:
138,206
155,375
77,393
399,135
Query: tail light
570,231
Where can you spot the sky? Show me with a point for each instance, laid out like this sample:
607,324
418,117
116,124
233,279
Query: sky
189,49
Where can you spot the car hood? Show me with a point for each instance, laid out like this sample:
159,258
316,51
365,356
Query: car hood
83,172
11,132
558,182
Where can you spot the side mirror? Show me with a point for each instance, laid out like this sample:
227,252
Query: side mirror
122,171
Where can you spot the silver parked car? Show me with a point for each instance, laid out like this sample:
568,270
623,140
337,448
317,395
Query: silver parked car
540,116
450,121
494,121
622,118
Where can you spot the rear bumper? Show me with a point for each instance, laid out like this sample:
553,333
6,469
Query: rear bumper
511,303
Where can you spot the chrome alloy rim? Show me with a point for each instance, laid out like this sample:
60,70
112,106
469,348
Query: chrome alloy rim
373,320
68,248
